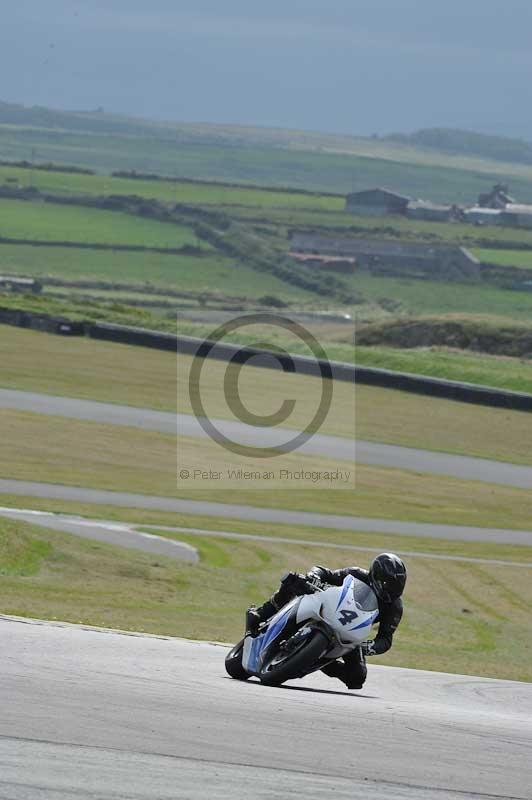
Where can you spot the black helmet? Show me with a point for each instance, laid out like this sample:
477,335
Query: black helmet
387,576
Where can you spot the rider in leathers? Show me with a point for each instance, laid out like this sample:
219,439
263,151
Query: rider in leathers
387,578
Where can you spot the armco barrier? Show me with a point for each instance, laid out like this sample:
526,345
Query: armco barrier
59,325
370,376
136,336
41,322
11,316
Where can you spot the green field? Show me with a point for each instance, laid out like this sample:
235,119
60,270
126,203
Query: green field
49,222
507,258
169,191
210,272
500,371
280,208
52,575
417,297
263,229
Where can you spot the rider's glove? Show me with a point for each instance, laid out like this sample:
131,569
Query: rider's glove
316,577
368,648
297,583
313,581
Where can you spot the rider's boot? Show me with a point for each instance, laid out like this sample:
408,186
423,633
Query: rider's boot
340,671
256,616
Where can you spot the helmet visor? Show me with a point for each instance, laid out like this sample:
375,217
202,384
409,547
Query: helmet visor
388,589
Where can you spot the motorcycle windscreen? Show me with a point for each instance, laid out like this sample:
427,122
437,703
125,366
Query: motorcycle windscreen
364,596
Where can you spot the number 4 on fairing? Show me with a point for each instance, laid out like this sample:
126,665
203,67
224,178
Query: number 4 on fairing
346,617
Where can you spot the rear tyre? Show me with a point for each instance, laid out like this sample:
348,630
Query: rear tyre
295,661
233,663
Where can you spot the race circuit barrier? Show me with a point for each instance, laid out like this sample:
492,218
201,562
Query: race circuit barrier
303,365
41,322
136,336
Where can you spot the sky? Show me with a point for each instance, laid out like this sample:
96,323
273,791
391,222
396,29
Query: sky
345,66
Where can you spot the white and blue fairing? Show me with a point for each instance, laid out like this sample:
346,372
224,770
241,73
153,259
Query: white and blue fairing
255,647
349,611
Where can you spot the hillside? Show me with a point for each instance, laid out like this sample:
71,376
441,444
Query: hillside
469,143
261,156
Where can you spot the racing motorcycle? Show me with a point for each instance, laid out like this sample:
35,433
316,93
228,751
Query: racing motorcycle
307,633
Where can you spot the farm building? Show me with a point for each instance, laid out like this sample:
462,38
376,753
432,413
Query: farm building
376,202
388,256
497,198
419,209
11,284
483,216
343,264
519,216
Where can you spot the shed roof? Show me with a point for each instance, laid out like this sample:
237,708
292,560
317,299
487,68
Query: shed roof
380,190
12,279
517,208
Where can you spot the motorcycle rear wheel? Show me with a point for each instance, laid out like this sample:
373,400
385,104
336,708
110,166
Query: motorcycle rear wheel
296,663
233,663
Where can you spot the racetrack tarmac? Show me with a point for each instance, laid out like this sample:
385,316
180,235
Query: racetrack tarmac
363,452
92,714
270,515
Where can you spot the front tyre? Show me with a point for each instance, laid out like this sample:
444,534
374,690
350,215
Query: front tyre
296,659
233,663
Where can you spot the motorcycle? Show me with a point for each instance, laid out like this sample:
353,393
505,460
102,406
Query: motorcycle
306,634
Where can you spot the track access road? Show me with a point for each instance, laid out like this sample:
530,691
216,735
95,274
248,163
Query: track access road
92,714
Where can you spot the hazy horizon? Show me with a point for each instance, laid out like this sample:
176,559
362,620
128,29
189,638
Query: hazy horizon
354,68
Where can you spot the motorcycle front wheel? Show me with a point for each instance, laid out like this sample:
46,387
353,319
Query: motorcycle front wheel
233,663
296,659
